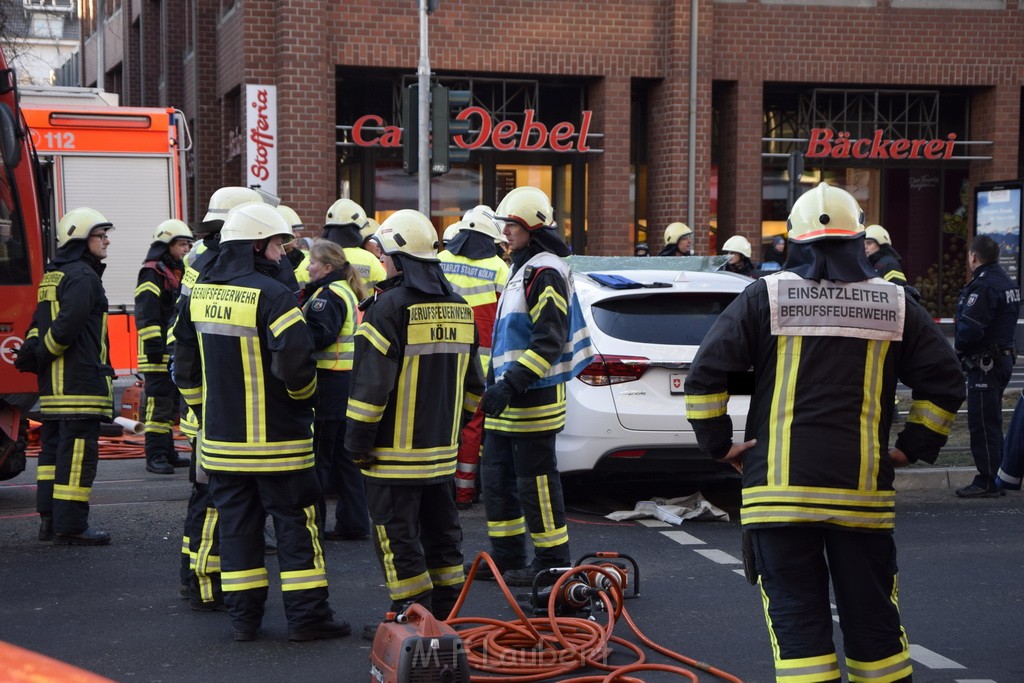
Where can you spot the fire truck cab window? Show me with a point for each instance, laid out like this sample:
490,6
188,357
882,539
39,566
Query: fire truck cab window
14,263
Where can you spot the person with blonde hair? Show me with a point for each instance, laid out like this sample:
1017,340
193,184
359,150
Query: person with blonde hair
331,300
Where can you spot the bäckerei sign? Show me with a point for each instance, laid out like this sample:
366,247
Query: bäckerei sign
825,144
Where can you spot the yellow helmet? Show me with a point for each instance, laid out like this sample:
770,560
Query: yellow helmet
254,221
77,224
370,229
527,206
878,234
737,244
825,212
289,215
676,231
225,199
481,219
410,233
451,231
170,230
345,212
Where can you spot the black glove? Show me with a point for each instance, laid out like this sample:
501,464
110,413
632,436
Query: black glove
497,397
25,359
364,461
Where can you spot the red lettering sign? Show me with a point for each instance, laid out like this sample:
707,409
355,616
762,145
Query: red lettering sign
825,144
263,140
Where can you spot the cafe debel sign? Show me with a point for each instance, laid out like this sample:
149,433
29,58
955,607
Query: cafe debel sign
369,131
824,144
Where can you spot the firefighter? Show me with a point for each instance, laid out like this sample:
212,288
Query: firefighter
75,390
243,361
330,305
540,342
883,257
369,244
678,240
416,378
155,295
449,233
342,225
737,248
827,341
478,275
298,258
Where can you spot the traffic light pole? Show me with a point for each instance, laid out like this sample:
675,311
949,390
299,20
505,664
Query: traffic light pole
423,169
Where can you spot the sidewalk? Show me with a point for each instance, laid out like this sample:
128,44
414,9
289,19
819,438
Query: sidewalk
933,478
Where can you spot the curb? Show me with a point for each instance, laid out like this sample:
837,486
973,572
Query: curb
933,478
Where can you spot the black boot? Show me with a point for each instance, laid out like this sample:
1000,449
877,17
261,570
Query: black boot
158,465
87,537
45,526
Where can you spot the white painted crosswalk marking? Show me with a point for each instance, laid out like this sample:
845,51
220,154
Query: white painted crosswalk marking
653,523
932,660
683,538
718,556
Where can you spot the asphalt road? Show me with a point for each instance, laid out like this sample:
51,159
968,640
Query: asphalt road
115,611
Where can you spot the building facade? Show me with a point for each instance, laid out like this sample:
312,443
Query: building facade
640,113
38,36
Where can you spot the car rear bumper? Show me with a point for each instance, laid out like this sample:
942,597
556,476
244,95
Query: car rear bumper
627,451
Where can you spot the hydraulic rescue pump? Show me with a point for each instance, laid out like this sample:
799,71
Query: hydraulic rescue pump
414,647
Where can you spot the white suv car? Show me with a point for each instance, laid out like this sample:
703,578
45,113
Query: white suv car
626,413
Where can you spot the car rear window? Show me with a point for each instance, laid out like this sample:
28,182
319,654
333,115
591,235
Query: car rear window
675,318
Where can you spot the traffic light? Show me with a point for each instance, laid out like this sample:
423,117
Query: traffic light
442,127
411,129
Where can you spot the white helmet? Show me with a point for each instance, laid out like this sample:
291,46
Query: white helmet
254,221
289,215
77,224
345,212
170,230
410,233
737,244
225,199
451,231
370,229
480,219
878,234
676,231
825,212
527,206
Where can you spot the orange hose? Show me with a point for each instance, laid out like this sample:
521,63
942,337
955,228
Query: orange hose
113,448
540,648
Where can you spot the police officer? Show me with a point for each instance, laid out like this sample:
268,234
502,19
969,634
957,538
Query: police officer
478,275
883,257
737,248
75,390
540,342
818,498
986,317
155,295
416,378
244,362
678,240
343,225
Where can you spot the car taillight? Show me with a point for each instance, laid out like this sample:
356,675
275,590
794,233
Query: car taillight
605,370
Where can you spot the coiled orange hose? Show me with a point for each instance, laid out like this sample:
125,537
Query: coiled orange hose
111,448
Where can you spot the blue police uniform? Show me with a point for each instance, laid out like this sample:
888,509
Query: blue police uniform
986,316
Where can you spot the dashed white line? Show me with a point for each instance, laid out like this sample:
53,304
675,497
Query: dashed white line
683,538
932,660
718,556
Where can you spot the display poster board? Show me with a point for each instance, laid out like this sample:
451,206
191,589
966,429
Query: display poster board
997,213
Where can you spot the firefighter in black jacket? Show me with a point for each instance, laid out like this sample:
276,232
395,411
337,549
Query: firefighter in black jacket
243,361
827,341
986,318
72,353
883,256
416,378
155,296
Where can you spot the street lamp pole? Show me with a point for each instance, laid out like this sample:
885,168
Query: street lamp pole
423,72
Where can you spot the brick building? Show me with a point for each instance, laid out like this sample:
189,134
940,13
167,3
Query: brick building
698,117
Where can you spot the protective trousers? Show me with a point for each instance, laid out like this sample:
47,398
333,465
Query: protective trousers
201,544
160,395
66,469
795,564
337,472
522,490
469,458
985,418
242,502
418,539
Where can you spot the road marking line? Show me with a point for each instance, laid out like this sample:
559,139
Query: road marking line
740,572
652,523
932,660
719,556
973,680
683,538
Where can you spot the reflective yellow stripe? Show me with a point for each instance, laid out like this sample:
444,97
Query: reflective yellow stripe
549,539
706,406
407,588
202,563
507,527
147,287
363,411
549,294
370,334
930,416
192,395
285,321
807,669
244,580
150,332
782,514
46,472
305,392
51,344
314,537
780,420
871,414
532,360
303,579
894,275
77,460
882,671
447,576
236,464
76,493
185,542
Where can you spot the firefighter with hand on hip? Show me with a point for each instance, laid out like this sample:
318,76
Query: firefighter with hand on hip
155,295
827,341
478,274
243,361
540,343
986,319
415,381
71,356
